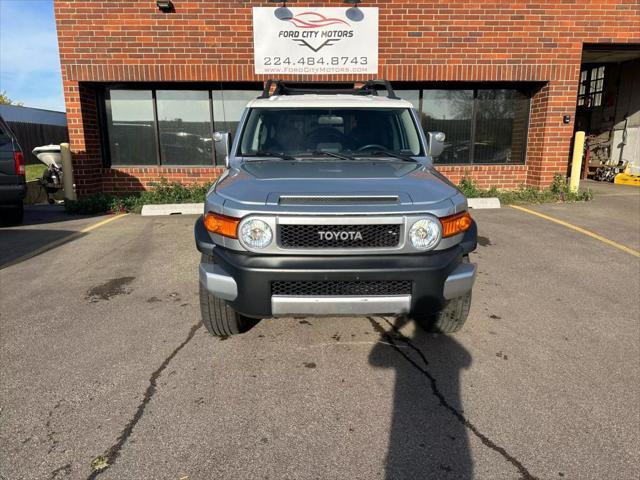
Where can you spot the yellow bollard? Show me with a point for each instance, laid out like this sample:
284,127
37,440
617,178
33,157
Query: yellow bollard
576,164
67,172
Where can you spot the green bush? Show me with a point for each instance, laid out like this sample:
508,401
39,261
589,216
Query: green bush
174,192
558,191
159,193
89,205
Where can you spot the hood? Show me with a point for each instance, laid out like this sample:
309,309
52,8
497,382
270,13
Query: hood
263,182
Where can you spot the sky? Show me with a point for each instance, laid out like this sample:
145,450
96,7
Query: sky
29,60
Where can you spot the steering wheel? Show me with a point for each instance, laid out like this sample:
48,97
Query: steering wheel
371,146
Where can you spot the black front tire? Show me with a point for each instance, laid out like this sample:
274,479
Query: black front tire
450,319
218,317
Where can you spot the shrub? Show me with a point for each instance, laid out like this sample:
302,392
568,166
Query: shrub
89,205
558,191
160,192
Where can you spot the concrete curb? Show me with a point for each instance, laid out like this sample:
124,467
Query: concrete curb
173,209
482,203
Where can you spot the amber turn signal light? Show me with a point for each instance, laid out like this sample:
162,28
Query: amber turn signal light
221,224
454,224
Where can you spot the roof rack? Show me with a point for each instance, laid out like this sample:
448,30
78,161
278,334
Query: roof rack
370,87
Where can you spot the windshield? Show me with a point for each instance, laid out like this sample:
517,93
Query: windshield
336,132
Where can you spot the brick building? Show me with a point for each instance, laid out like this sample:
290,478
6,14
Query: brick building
497,77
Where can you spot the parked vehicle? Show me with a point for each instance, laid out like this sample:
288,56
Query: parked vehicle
13,187
330,206
51,179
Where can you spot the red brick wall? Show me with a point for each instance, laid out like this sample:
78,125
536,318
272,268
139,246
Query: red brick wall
458,40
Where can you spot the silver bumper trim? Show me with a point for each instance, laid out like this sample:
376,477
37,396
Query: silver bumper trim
218,282
339,305
460,281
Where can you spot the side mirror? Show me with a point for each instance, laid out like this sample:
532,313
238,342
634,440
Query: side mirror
436,143
222,146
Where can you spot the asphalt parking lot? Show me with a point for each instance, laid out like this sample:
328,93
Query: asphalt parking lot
104,360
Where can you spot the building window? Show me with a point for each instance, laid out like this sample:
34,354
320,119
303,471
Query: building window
451,112
175,127
596,87
591,87
170,127
582,90
500,126
484,126
228,106
184,123
132,127
412,96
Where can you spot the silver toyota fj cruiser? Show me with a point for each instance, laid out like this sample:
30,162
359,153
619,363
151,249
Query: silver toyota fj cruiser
330,205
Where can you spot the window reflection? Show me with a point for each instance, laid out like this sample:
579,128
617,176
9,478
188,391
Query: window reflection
451,112
501,126
228,106
131,127
412,96
184,121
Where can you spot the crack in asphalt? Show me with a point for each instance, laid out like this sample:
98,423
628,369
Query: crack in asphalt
113,452
64,470
51,433
525,474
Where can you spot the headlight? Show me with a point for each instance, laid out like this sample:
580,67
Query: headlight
425,233
255,233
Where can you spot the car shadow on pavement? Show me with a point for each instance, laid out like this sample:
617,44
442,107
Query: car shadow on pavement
24,243
428,436
41,214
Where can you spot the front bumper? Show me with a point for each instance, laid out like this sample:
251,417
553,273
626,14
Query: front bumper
244,280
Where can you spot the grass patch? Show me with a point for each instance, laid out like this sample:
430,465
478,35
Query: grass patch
34,172
159,193
558,191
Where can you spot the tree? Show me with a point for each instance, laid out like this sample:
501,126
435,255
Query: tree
5,100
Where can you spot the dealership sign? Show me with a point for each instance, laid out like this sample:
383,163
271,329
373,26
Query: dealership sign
315,40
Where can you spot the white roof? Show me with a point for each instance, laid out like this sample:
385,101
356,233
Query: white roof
328,101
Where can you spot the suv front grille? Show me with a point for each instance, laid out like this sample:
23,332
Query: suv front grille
331,236
342,287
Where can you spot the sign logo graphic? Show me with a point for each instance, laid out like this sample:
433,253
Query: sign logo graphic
314,20
326,43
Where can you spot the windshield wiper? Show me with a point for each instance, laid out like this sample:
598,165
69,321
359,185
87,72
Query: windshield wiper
341,156
281,156
389,153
